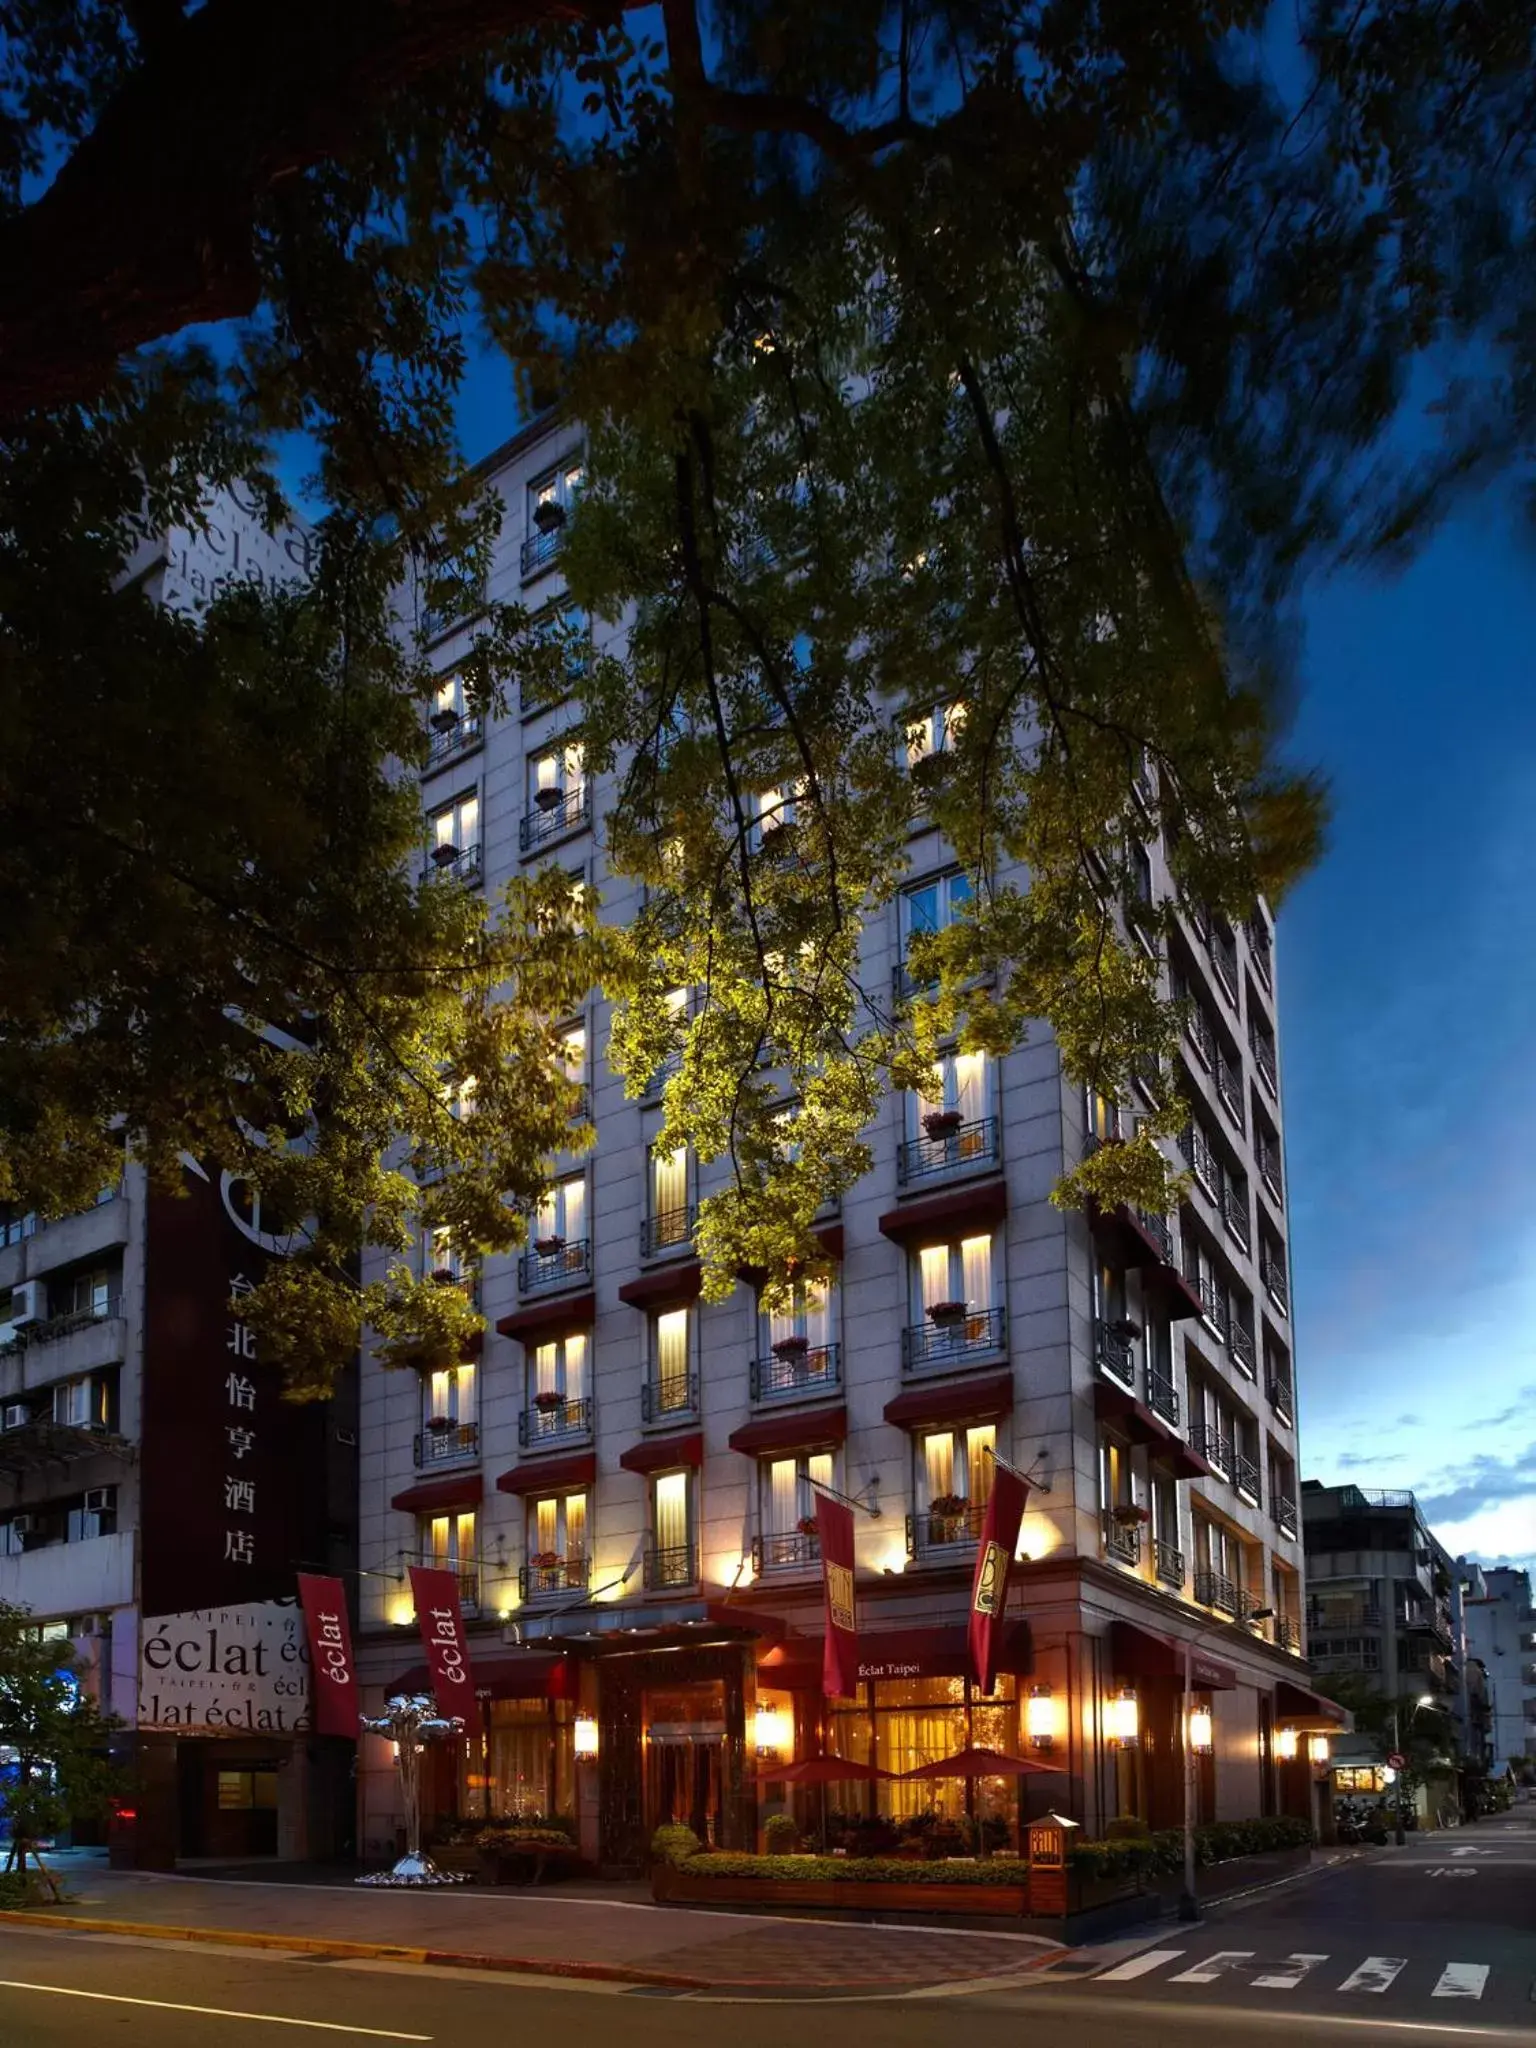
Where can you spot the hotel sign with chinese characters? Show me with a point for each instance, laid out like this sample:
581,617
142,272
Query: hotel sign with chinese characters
234,1480
228,1670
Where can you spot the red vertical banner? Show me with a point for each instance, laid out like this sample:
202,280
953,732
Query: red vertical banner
332,1671
441,1621
840,1658
994,1558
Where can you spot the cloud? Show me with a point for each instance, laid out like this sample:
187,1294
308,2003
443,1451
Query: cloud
1480,1483
1519,1410
1409,1422
1365,1461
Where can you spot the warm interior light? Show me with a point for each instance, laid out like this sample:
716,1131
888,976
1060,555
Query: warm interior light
1201,1737
586,1735
1040,1718
1122,1719
1317,1748
1286,1745
771,1728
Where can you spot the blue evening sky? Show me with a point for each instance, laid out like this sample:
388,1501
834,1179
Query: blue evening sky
1407,966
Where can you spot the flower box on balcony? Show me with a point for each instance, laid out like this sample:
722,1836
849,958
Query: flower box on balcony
549,515
1126,1328
445,1276
444,720
807,1525
549,1247
1129,1515
947,1504
549,799
946,1314
942,1123
445,855
439,1424
546,1560
792,1347
548,1404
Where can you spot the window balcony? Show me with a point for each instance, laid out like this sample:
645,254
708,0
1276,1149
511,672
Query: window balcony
1224,960
1332,1617
1168,1563
795,1370
1272,1273
1261,952
1277,1386
1234,1214
669,1231
1240,1344
555,812
1198,1031
1217,1450
1286,1634
1269,1168
947,1147
552,1419
1198,1156
32,1336
1282,1511
452,733
953,1525
449,1443
1122,1537
538,1580
1215,1589
671,1568
798,1552
1229,1087
951,1339
1114,1350
1160,1232
540,551
554,1262
1264,1059
1246,1477
1162,1396
673,1399
454,864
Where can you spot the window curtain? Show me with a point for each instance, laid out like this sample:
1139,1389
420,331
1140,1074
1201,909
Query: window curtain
976,1268
575,1387
669,1182
573,1203
979,1445
939,1464
672,1345
671,1511
784,1508
575,1527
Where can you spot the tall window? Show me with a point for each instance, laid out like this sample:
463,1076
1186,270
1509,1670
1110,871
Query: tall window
557,1542
562,1213
672,1360
788,1499
964,1091
671,1562
90,1294
449,1396
573,1053
1116,1488
773,808
960,1272
559,489
933,906
933,732
956,1465
669,1222
558,1367
448,1543
808,1316
453,833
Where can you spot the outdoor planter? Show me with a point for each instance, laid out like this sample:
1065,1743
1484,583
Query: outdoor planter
549,799
946,1314
549,1247
942,1123
439,1423
792,1347
546,1560
807,1525
1125,1327
445,1276
948,1505
549,515
1129,1515
444,721
445,855
548,1404
799,1881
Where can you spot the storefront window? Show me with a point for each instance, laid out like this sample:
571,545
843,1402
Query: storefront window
528,1769
911,1721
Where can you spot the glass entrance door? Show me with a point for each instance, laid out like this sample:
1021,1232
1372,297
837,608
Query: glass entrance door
684,1736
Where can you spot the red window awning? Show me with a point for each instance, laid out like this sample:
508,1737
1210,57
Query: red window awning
541,1320
440,1496
664,1453
1139,1653
1180,1299
534,1676
550,1475
983,1399
938,1652
1300,1708
797,1431
977,1202
667,1283
1119,1404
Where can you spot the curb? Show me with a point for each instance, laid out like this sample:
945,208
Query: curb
394,1952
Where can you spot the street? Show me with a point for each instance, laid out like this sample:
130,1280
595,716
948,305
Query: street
1436,1939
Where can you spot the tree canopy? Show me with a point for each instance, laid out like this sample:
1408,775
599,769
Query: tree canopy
56,1736
1011,359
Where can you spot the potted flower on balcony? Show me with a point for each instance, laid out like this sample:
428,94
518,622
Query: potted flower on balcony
446,854
946,1314
445,1276
946,1507
806,1526
439,1424
546,1560
1126,1328
549,1402
792,1347
550,797
444,719
942,1123
550,1246
1129,1514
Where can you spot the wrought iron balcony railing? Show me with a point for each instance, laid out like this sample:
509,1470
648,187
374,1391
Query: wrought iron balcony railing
953,1340
671,1567
1122,1537
1202,1037
1229,1087
1282,1512
1240,1344
670,1398
1286,1633
447,741
454,864
1215,1589
946,1148
554,1262
1200,1158
454,1443
1272,1273
669,1230
1234,1213
566,1575
792,1369
1224,959
1332,1617
540,550
1168,1562
1264,1059
797,1551
1208,1442
1269,1168
1115,1351
1162,1396
31,1335
555,812
552,1418
1246,1476
1261,952
945,1528
1277,1386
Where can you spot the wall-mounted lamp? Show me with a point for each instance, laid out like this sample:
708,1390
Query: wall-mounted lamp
1201,1733
1287,1745
1040,1717
1122,1719
1317,1749
771,1731
586,1736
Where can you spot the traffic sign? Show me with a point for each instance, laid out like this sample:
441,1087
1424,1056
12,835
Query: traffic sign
1396,1759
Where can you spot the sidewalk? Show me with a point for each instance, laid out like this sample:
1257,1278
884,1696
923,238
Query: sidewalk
557,1931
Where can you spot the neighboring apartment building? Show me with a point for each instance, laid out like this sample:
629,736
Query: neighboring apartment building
156,1494
1501,1631
623,1477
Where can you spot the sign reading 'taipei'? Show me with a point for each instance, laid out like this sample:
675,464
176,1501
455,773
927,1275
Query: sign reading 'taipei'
226,1670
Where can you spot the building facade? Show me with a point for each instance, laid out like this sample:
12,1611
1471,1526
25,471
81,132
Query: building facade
623,1477
156,1493
1501,1632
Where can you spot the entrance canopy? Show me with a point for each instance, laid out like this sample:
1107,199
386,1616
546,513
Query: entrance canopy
941,1652
1296,1707
534,1677
1138,1653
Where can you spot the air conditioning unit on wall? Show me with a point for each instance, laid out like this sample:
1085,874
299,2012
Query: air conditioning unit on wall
16,1415
29,1303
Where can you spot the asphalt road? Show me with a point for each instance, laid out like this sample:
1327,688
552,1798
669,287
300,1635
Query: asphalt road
1423,1944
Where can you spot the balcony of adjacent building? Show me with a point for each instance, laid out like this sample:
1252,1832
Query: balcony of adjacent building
32,1247
1342,1616
84,1574
64,1343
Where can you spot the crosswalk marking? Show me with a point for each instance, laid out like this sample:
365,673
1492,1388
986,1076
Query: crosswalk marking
1208,1971
1374,1974
1138,1966
1289,1974
1461,1980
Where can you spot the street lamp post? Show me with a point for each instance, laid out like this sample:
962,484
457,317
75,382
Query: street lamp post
1189,1902
1424,1700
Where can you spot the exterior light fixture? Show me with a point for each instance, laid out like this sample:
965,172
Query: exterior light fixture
1201,1733
1287,1745
1122,1719
1040,1717
1317,1749
586,1735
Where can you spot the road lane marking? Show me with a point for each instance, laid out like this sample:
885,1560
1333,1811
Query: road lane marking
1289,1974
213,2012
1376,1973
1461,1980
1138,1966
1213,1966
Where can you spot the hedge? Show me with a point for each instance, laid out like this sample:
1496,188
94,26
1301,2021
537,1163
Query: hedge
990,1870
1162,1854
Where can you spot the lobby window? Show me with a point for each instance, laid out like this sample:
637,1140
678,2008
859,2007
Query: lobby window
557,1545
787,1508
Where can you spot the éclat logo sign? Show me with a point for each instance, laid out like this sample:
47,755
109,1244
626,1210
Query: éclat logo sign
231,546
240,1670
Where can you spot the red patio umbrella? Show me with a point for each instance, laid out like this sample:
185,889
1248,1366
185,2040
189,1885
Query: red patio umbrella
978,1763
821,1770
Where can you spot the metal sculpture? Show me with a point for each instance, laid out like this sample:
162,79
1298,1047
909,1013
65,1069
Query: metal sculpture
411,1721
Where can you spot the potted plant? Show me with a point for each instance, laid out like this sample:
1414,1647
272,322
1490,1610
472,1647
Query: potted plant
444,719
550,797
546,1560
439,1423
549,515
549,1401
1129,1513
549,1247
942,1123
807,1525
791,1347
445,1276
446,854
946,1314
1125,1327
946,1506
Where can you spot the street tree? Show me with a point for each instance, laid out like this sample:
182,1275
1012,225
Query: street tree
965,390
55,1737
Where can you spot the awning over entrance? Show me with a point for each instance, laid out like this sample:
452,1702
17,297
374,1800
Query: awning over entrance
1143,1426
536,1676
440,1496
979,1400
1139,1653
550,1475
939,1652
613,1625
1297,1707
793,1432
977,1202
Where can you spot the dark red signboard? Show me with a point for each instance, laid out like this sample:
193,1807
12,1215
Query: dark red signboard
332,1669
840,1656
441,1621
233,1479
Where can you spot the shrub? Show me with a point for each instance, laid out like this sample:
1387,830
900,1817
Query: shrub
511,1836
1139,1854
1128,1827
781,1834
995,1870
675,1843
19,1888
